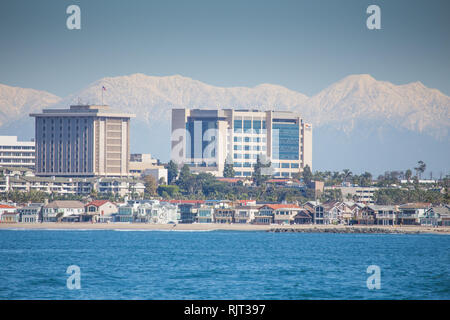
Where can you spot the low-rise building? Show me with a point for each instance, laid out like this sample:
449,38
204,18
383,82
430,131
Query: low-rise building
303,217
365,216
156,212
99,211
144,164
128,212
10,217
8,213
224,215
410,213
188,209
16,171
30,213
317,211
120,186
14,153
205,214
384,215
69,210
245,213
280,213
436,216
357,194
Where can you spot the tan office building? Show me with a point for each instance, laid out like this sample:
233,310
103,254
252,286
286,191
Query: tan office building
83,141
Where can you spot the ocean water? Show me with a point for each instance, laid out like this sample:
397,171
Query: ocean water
221,265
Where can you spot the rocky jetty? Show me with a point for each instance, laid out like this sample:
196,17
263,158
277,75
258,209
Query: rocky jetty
332,229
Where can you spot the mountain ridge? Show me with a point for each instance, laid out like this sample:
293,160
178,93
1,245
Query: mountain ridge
358,109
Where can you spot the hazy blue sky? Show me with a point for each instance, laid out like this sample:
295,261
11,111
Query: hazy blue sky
303,45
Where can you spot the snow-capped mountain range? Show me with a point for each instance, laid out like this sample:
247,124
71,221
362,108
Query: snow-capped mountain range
354,107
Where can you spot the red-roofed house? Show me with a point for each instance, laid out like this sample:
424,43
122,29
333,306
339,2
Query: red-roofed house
8,214
99,210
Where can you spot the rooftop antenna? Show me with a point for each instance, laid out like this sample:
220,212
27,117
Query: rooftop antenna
103,89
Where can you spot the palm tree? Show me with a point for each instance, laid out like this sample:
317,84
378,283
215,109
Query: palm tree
420,168
346,174
408,175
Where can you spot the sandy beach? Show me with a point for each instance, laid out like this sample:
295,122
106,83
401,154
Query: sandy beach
235,227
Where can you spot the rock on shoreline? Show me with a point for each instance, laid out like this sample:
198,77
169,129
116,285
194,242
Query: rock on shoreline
348,230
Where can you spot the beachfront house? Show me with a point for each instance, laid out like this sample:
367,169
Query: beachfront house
317,210
365,216
280,213
10,217
30,213
69,210
205,214
303,216
264,216
99,211
411,213
224,215
436,216
127,212
8,214
154,211
384,215
188,211
245,213
332,212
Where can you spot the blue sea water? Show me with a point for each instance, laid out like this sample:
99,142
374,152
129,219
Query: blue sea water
221,265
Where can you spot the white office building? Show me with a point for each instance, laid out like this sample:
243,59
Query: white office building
205,139
14,153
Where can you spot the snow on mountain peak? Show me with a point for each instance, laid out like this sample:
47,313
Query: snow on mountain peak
354,98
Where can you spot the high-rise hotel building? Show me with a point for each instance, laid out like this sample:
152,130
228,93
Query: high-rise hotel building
205,139
83,141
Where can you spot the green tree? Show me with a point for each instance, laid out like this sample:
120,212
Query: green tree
228,170
259,177
307,175
346,174
420,169
172,171
150,185
366,179
408,175
94,194
168,191
187,181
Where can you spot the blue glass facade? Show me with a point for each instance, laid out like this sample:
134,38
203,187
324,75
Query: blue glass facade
285,142
197,131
